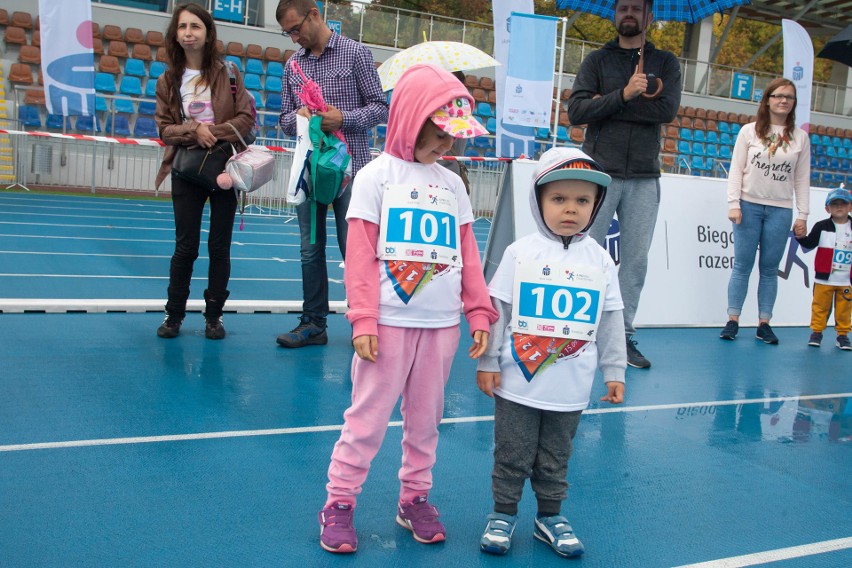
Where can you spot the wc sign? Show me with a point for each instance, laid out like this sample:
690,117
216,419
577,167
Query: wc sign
229,10
741,86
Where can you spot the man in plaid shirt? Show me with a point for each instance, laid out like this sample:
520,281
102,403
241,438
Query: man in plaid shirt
344,70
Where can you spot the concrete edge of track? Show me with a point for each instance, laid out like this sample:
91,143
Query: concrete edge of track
101,306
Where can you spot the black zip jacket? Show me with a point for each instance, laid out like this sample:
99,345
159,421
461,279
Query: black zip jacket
624,137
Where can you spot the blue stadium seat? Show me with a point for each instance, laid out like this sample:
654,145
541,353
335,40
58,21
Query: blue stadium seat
735,129
725,138
252,82
830,151
698,165
725,152
846,166
135,68
834,163
122,126
147,108
270,119
124,105
29,116
562,134
815,140
542,133
686,134
826,140
822,162
130,86
157,68
711,151
711,137
88,124
236,61
471,152
275,69
258,100
145,128
684,147
818,150
101,104
105,82
698,135
842,152
272,84
724,127
254,66
836,142
490,154
273,102
483,142
698,148
381,130
483,109
491,125
847,143
54,121
151,88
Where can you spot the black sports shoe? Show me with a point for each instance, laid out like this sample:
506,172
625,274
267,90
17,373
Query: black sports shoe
843,343
634,356
214,328
815,339
170,327
730,331
766,335
306,333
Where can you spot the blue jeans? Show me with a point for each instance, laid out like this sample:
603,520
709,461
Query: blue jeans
767,228
314,267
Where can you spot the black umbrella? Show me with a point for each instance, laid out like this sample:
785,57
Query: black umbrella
839,48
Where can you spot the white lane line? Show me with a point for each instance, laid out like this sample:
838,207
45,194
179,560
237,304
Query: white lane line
136,277
333,427
776,555
104,255
125,240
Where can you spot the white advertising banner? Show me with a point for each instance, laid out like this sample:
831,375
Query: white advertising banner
528,96
67,58
692,255
512,140
799,68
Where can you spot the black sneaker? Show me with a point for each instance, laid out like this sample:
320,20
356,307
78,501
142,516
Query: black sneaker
306,333
816,339
766,335
730,331
170,327
214,328
843,343
634,356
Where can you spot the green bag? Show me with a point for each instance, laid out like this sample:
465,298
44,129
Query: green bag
329,160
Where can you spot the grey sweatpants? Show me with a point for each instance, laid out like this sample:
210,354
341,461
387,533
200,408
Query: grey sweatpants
535,444
636,201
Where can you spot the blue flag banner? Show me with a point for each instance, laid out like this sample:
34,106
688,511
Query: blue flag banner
229,10
529,80
67,58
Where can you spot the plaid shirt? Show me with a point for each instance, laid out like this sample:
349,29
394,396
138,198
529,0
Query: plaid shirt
349,82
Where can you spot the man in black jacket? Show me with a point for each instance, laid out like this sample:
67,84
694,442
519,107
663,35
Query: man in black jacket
623,136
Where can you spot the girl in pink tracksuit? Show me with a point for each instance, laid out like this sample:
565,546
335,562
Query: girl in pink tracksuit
412,264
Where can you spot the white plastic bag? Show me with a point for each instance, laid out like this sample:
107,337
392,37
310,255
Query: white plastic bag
299,182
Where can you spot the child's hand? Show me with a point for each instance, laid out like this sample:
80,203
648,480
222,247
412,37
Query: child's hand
367,347
615,392
480,344
799,228
487,382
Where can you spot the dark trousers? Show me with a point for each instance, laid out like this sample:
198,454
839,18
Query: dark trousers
535,444
188,202
314,266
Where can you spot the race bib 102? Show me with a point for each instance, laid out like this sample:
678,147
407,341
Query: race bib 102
553,300
419,225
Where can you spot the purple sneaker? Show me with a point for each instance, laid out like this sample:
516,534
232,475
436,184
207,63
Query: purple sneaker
337,533
421,519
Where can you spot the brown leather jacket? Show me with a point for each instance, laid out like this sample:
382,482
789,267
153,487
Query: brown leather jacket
226,108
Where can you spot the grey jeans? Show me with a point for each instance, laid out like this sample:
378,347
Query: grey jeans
636,201
533,444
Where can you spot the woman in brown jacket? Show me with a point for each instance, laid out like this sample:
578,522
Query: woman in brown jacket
199,76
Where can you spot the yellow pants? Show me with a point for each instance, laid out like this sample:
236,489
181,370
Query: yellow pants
824,296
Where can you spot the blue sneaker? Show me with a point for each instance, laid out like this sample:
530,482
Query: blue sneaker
497,538
556,532
306,333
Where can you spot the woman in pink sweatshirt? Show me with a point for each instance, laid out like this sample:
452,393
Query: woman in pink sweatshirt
412,266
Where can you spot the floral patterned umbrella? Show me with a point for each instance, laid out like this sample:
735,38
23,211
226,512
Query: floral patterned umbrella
449,55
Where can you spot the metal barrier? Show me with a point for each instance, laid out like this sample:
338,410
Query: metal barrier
114,165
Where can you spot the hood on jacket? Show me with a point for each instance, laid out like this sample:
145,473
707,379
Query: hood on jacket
566,163
422,91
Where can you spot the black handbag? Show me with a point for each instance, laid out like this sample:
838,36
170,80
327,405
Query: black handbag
201,166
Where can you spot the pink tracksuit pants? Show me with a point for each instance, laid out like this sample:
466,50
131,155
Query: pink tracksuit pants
414,363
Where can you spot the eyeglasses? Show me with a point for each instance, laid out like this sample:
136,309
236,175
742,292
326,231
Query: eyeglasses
783,97
296,30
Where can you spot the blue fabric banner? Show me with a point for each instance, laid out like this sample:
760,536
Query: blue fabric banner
67,58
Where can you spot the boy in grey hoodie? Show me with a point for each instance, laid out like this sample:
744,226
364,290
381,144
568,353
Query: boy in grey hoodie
561,319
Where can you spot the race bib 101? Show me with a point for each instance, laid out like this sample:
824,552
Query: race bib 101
553,300
419,225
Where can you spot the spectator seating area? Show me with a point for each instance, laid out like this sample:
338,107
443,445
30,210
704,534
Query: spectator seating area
128,62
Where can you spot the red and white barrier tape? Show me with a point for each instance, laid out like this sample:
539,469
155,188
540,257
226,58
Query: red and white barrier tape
160,143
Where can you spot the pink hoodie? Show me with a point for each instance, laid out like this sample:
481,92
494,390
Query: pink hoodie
421,91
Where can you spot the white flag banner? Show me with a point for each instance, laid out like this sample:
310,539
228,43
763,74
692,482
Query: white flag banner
528,96
799,68
512,140
67,58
